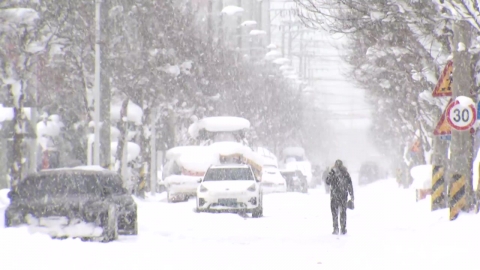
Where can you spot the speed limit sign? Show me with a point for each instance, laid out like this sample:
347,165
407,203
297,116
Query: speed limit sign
461,117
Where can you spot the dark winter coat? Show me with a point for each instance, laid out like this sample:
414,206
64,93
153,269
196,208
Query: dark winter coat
340,184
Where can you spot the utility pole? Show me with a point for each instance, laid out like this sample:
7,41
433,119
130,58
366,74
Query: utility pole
239,28
461,148
153,151
96,116
210,22
105,147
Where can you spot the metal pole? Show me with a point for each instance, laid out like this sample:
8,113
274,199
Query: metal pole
96,143
462,85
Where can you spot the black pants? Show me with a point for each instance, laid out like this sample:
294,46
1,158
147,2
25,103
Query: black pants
336,206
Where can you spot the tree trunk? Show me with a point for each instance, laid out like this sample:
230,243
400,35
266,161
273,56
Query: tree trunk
16,169
122,125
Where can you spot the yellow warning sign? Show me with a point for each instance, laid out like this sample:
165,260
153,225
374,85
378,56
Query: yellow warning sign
444,84
443,128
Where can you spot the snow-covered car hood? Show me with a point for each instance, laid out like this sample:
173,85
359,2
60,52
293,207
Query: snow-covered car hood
304,166
181,179
237,185
275,178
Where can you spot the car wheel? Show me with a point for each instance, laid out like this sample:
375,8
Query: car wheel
257,212
134,224
110,225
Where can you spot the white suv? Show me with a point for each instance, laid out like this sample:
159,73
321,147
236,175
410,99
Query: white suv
230,188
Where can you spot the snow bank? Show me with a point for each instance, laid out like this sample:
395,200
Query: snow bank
219,124
232,10
422,176
198,159
134,112
4,200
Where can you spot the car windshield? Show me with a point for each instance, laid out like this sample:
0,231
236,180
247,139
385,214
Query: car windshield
59,185
228,174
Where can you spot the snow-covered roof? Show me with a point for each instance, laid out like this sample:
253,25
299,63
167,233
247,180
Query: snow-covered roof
219,124
293,151
134,112
422,176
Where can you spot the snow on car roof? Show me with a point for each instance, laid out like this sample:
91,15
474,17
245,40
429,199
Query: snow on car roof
229,148
295,151
86,168
176,152
219,124
223,166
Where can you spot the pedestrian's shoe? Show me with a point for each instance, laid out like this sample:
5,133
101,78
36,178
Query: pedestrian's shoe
335,231
344,231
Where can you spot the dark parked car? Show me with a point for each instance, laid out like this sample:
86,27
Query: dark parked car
369,172
296,181
90,204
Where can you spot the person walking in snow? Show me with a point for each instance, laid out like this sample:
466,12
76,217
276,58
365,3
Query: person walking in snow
340,187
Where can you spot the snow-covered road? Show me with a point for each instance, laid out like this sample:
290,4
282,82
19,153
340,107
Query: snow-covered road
387,230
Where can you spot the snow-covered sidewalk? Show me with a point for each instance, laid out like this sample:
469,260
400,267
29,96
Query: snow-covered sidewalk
387,230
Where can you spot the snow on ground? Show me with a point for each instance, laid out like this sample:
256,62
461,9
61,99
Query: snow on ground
387,230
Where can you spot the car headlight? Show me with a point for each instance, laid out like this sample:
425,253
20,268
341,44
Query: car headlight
252,188
203,189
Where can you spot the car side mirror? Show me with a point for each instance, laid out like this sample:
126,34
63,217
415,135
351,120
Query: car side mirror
11,194
200,180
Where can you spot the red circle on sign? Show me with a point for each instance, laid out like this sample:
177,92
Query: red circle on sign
455,125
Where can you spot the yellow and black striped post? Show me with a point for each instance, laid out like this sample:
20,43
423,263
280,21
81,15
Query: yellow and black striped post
457,195
438,188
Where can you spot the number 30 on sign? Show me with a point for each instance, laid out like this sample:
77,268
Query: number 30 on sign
460,117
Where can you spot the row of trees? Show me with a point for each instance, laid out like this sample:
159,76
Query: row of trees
153,56
398,50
